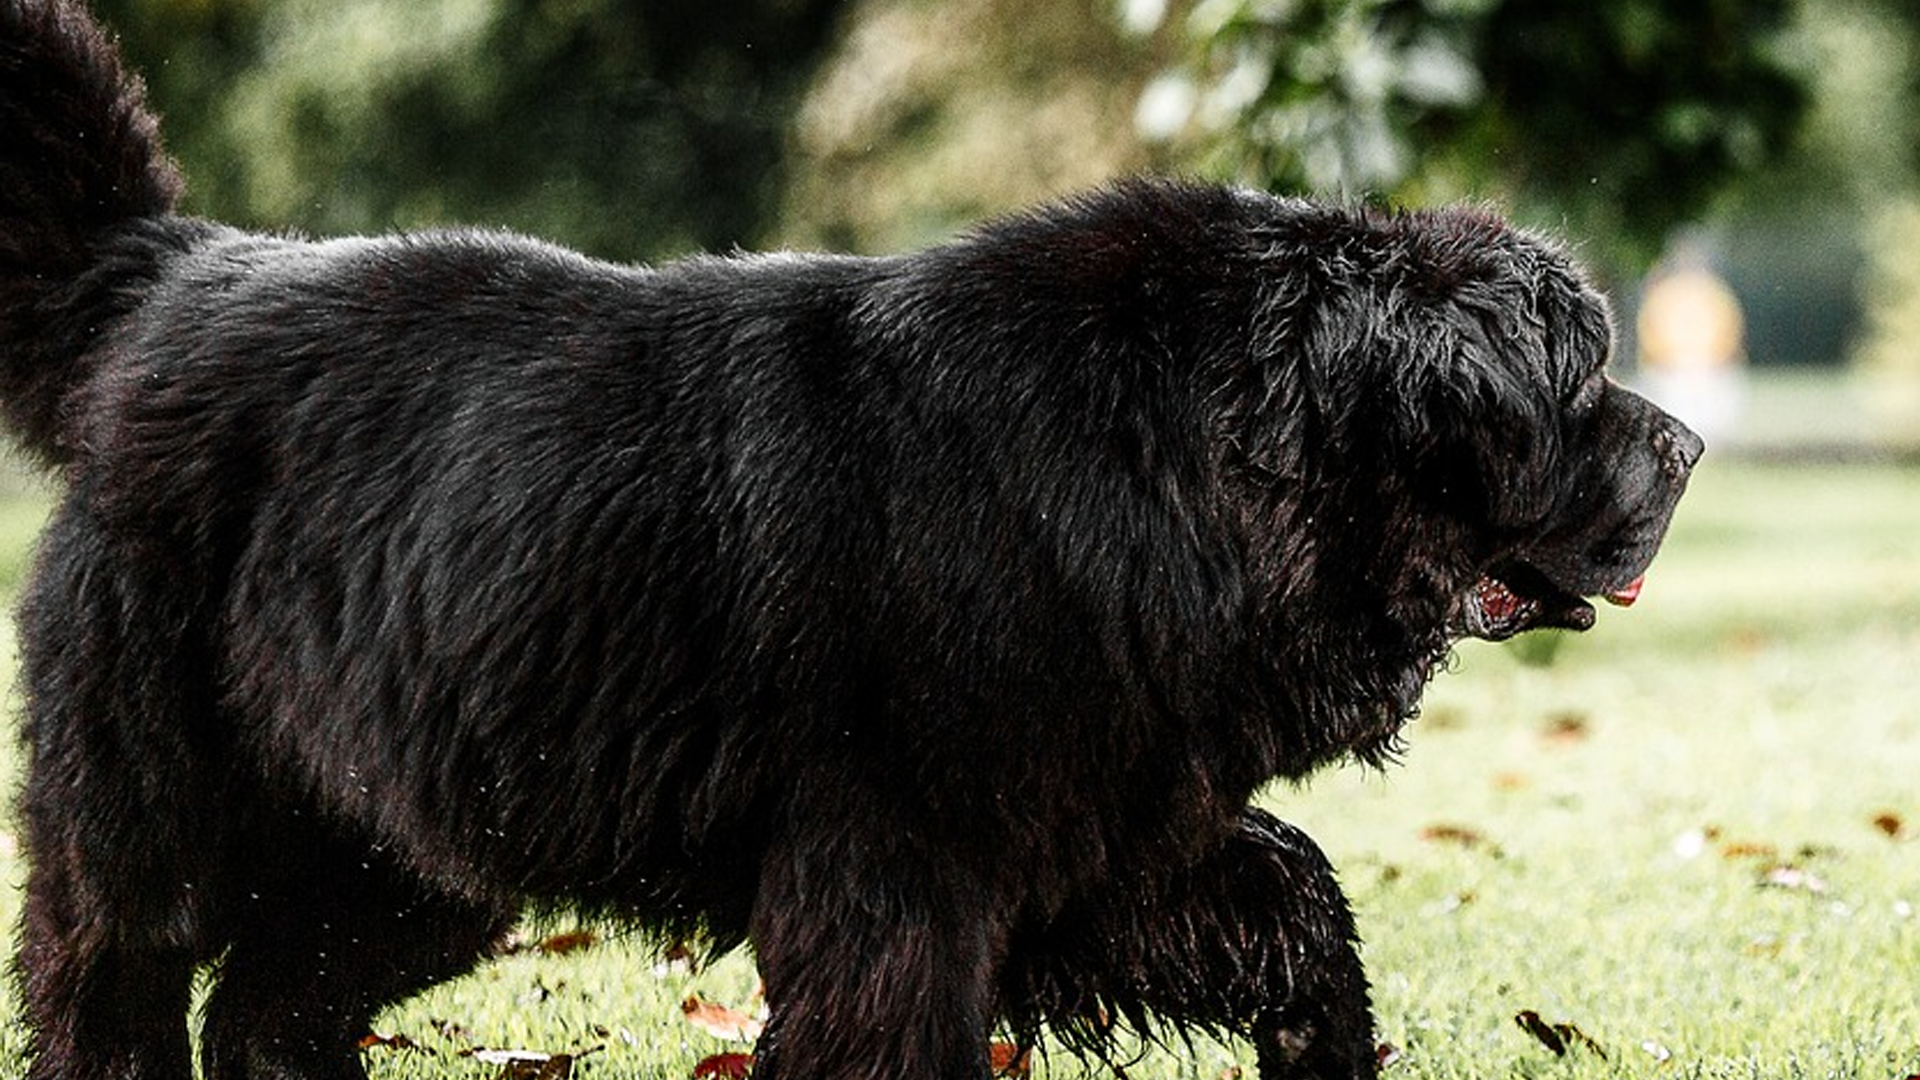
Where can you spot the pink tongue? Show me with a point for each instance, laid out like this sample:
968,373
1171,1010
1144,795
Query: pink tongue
1627,594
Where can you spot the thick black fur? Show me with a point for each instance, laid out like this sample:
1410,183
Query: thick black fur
926,621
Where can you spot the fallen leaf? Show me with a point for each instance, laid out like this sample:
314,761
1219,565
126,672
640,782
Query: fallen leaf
1747,849
1565,729
557,1067
1531,1023
572,941
1453,834
1010,1060
1890,824
530,1064
1511,781
734,1066
1386,1054
1560,1037
374,1040
719,1021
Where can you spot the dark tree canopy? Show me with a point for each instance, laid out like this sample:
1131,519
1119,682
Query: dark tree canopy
643,129
627,129
1623,117
1635,114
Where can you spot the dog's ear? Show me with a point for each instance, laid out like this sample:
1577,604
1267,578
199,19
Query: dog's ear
1492,375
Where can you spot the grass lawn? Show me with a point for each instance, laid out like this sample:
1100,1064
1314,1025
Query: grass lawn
1692,837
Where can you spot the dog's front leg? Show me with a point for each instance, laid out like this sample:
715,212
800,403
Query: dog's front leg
877,961
1255,940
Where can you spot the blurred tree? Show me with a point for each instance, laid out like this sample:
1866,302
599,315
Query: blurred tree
625,129
931,114
1869,154
1797,239
1887,358
1621,118
191,52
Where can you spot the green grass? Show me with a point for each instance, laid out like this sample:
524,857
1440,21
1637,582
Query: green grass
1764,694
1584,838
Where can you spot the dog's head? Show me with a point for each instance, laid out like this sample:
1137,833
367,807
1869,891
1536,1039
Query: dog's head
1453,373
1624,466
1571,479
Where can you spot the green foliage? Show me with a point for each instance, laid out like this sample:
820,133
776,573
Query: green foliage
933,114
1327,94
625,129
1623,118
1888,358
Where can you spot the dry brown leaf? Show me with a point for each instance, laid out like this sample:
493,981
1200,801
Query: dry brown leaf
556,1067
530,1064
1566,729
719,1021
732,1066
572,941
1453,834
1511,781
374,1040
1010,1060
1748,849
1560,1037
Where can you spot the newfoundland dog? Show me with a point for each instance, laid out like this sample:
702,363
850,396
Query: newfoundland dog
926,621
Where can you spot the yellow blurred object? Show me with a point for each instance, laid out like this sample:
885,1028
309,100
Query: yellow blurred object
1692,345
1690,320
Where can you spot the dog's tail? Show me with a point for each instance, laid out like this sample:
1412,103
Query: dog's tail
80,168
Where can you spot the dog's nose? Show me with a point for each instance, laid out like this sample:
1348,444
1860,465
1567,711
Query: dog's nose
1680,448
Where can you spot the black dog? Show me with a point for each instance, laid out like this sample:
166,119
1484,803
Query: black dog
926,621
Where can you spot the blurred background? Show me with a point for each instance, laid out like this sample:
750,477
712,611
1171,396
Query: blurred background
1760,156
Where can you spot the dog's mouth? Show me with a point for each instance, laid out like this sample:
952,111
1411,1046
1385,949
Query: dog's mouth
1518,598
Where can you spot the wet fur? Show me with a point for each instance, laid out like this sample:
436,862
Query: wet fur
926,621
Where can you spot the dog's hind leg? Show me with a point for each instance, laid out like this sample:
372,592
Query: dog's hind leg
114,817
98,1008
1255,941
326,936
